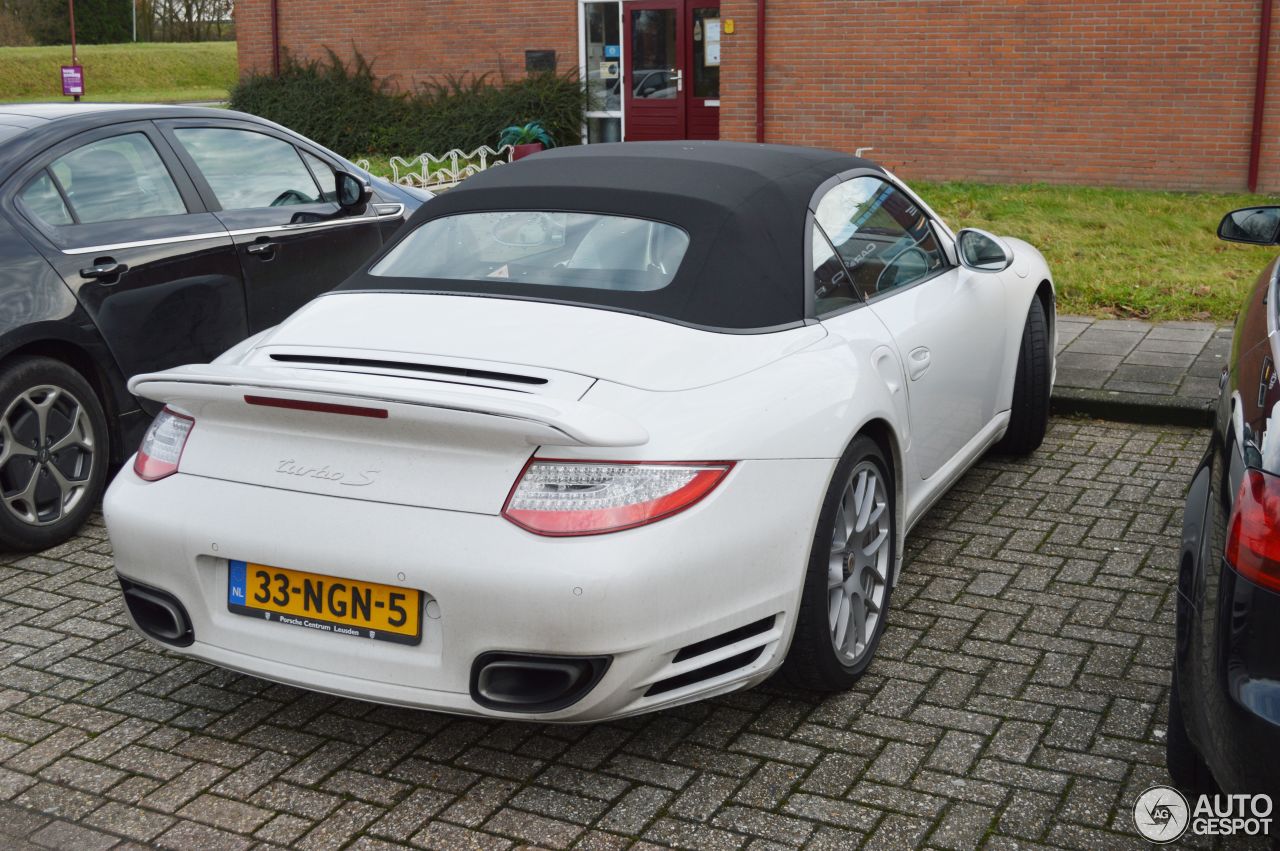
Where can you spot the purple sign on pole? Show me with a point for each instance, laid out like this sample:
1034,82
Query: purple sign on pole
72,80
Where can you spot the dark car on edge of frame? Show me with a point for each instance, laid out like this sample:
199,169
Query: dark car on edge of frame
1224,709
136,238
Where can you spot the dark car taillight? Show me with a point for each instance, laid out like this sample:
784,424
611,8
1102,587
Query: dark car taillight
1253,534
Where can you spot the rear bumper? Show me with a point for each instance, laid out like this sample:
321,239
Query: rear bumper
1249,636
637,596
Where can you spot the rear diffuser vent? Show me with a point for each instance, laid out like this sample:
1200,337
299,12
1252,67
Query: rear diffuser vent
724,666
434,369
724,639
715,669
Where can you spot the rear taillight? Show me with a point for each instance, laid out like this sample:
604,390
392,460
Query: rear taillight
1253,535
591,497
162,446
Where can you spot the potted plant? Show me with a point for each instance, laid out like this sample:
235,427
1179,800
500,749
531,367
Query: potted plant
525,139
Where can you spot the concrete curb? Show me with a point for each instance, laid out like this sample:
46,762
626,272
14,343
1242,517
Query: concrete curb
1145,408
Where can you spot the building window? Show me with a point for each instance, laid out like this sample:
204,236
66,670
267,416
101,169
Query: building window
602,69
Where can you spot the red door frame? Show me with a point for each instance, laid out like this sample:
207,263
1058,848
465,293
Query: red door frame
679,117
651,119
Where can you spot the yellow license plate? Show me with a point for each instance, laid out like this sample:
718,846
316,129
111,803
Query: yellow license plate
325,603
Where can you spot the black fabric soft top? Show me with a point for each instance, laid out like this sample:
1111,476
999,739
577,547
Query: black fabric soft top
743,206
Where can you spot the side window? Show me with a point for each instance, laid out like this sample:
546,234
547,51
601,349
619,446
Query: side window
323,173
248,170
116,179
831,287
41,199
884,238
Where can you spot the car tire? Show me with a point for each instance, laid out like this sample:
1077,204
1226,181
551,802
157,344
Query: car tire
53,453
847,580
1029,414
1186,766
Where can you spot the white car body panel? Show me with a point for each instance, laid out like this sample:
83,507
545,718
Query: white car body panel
620,347
950,331
474,387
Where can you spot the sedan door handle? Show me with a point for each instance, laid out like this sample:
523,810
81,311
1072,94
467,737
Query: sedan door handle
261,248
918,362
106,268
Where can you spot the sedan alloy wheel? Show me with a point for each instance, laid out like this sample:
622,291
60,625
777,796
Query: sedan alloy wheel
46,454
53,453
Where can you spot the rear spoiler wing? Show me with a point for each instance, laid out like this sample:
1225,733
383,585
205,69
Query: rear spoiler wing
544,421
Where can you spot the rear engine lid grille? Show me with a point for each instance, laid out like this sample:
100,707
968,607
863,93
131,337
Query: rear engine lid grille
425,367
434,369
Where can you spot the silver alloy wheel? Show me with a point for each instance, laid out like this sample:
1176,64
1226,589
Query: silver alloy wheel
859,566
46,454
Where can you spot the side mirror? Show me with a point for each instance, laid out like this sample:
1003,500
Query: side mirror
353,193
982,251
1254,225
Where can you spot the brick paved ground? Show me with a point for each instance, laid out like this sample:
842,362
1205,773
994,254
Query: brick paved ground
1018,701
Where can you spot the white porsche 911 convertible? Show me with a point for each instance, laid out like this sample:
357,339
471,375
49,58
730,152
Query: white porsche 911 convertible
607,430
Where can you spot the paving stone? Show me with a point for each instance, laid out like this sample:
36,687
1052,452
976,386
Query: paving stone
962,827
133,822
442,836
61,834
188,834
534,829
225,813
636,809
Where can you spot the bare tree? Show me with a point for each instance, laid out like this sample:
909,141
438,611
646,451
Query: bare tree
186,20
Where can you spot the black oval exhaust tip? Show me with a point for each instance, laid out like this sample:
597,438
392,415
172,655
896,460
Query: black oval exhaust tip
157,613
524,682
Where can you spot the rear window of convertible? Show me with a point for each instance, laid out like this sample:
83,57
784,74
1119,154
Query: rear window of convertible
541,247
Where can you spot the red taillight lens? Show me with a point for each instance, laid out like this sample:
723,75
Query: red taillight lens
162,445
591,497
1253,534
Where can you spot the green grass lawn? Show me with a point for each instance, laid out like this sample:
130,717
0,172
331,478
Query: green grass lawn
1113,252
136,73
1117,252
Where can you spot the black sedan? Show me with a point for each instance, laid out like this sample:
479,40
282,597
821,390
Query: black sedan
1224,710
136,238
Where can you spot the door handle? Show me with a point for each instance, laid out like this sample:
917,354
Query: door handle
918,362
103,269
679,79
263,248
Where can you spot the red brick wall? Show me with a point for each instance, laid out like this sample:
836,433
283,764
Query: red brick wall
411,42
1148,93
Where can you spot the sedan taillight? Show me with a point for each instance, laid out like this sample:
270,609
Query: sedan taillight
563,498
162,445
1253,534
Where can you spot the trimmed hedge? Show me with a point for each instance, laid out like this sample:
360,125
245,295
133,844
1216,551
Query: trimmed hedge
349,110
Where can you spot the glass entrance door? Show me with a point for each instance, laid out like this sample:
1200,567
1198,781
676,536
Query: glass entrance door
672,85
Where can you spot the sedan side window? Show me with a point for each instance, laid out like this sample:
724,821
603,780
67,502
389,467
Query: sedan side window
40,198
114,180
885,240
324,175
248,170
